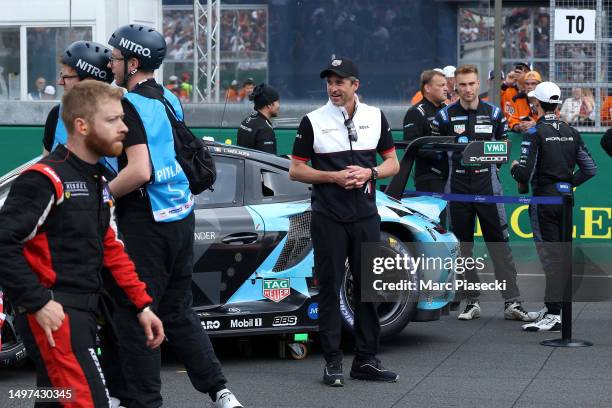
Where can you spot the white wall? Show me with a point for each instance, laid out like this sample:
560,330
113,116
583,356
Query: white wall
104,15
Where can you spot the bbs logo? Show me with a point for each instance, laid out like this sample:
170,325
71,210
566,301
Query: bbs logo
280,321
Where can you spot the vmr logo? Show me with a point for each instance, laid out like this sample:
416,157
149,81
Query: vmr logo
495,148
280,321
211,324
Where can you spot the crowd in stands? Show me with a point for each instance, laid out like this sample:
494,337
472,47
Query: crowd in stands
179,34
243,33
475,26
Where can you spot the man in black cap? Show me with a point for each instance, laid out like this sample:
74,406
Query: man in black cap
341,139
256,130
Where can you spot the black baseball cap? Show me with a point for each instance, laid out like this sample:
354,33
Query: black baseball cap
343,67
522,66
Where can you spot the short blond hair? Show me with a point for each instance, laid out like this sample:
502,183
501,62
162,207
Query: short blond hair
83,100
466,69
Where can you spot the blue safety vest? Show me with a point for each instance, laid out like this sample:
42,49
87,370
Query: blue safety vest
168,192
61,137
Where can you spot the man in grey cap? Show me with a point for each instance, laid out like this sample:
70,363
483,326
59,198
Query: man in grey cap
256,131
341,140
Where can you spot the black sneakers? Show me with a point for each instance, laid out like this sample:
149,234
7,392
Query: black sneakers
333,375
372,370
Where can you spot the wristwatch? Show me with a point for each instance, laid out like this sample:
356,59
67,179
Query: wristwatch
374,173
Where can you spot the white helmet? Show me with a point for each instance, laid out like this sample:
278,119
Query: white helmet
449,71
440,70
547,92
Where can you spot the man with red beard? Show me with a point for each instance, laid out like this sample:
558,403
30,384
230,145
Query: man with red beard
57,232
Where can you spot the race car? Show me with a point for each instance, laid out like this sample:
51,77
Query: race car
253,258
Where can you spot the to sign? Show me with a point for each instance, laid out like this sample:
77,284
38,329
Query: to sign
574,25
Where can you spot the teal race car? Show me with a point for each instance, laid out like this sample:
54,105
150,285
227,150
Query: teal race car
253,259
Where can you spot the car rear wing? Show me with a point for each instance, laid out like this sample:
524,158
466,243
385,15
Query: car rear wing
474,153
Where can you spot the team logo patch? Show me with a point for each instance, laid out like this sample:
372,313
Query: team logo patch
75,189
459,129
276,289
107,196
336,62
483,128
313,311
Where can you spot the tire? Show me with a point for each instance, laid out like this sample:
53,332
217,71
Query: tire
393,315
13,353
298,351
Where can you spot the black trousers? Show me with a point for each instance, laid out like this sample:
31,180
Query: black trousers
72,364
434,186
163,254
333,243
494,227
546,223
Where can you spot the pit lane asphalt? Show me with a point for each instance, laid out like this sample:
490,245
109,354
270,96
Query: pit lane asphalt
488,362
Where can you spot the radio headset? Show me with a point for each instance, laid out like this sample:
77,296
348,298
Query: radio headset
351,130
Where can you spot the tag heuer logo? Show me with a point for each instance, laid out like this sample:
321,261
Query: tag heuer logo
459,129
495,148
336,62
276,289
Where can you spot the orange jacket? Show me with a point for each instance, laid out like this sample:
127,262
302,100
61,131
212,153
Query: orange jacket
231,95
519,108
507,93
606,112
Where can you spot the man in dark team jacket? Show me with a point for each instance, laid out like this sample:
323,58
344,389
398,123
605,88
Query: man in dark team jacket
57,231
256,131
470,119
431,168
550,152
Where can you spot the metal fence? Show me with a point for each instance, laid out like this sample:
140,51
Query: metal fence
582,68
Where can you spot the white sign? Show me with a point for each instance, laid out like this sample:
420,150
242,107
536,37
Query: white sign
574,25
